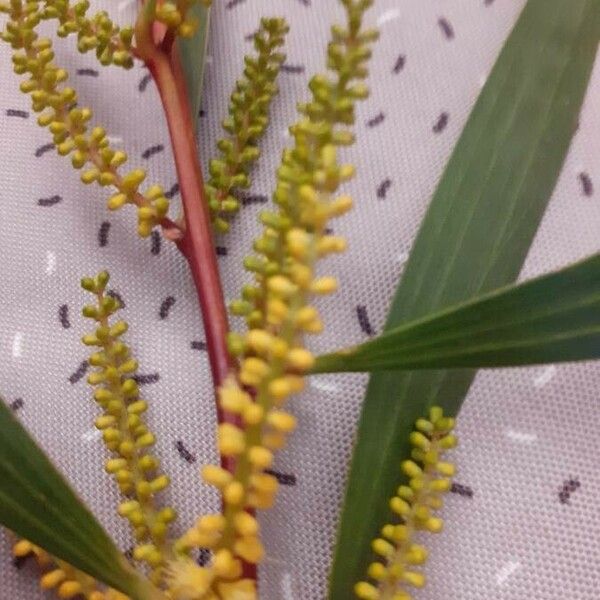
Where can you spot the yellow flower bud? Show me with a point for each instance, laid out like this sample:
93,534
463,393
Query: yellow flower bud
52,579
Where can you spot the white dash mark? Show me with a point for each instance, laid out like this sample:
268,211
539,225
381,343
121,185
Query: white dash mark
123,6
506,571
322,384
115,140
286,586
50,262
388,15
91,435
545,376
521,436
17,345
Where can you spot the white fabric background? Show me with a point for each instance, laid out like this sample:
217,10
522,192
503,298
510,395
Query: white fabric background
524,432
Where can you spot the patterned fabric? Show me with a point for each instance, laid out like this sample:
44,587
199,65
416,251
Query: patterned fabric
523,521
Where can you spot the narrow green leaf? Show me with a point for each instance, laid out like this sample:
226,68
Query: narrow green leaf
192,52
474,238
38,504
554,318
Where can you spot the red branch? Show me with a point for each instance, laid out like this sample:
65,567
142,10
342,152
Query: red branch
197,242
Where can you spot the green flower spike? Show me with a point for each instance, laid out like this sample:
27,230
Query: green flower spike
247,121
429,478
134,467
111,43
72,135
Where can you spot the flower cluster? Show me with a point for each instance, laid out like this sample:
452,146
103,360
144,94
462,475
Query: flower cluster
65,579
278,309
174,14
88,147
247,121
111,43
429,477
134,467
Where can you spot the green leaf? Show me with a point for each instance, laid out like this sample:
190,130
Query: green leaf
38,505
555,318
192,52
474,238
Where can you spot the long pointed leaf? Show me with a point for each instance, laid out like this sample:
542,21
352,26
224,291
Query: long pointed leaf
38,504
554,318
192,52
474,238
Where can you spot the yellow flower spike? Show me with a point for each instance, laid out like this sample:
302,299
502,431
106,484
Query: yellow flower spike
415,505
123,429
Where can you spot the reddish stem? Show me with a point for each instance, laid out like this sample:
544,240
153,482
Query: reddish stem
197,243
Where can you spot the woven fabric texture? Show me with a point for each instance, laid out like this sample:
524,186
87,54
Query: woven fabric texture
524,521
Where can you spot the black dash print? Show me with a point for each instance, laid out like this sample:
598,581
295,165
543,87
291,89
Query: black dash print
88,72
155,242
377,120
202,113
569,486
51,201
17,404
81,371
203,557
152,151
305,2
329,231
441,123
144,81
363,320
399,64
15,112
184,452
446,28
221,251
254,199
165,307
198,345
488,2
63,316
128,554
462,490
282,478
383,188
43,149
295,69
233,3
114,294
103,234
146,379
587,187
18,562
174,190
